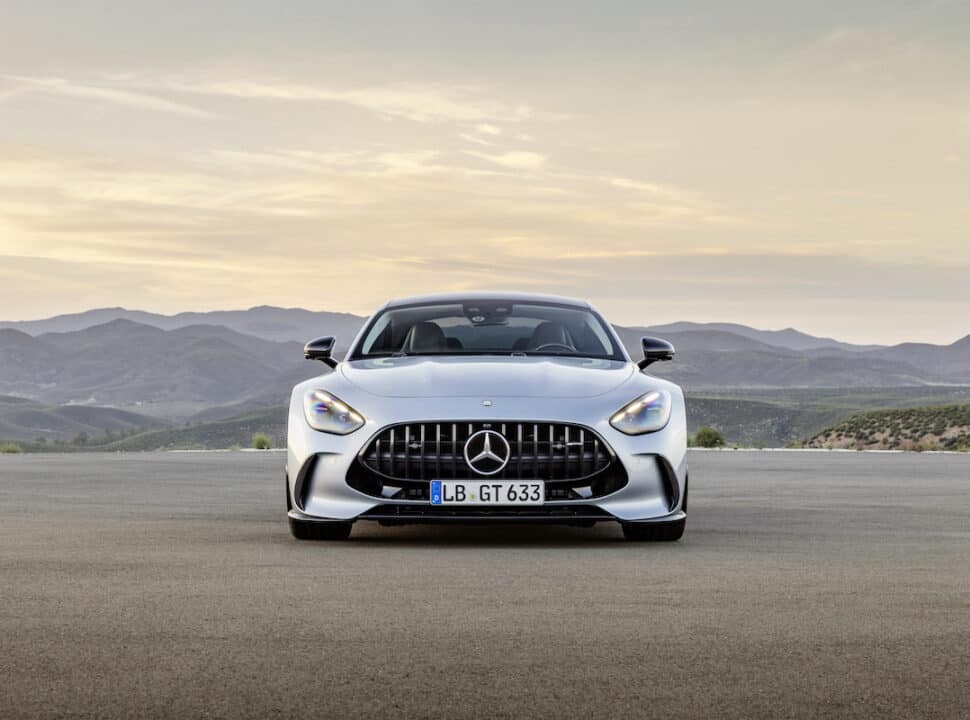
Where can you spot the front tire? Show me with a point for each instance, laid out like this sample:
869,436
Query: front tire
654,532
308,530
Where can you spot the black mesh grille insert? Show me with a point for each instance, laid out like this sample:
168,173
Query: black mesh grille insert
547,513
543,451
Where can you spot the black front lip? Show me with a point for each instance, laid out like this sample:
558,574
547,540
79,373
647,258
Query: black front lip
423,513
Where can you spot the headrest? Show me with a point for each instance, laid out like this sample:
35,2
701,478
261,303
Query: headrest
549,332
425,337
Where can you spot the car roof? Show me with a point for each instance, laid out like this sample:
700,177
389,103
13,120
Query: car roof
471,296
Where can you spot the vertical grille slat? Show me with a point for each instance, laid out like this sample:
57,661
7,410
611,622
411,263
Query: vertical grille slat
437,449
582,451
535,451
552,452
393,450
422,456
565,440
454,450
407,451
555,452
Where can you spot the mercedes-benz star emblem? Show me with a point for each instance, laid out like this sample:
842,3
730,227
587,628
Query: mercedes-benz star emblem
487,452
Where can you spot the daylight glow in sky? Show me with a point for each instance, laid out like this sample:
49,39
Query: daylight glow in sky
775,164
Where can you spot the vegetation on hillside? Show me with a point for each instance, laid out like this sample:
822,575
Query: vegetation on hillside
945,427
9,448
23,420
233,433
707,437
262,441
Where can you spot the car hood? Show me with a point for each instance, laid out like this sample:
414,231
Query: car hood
487,377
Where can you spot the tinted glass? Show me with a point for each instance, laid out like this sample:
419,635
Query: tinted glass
488,328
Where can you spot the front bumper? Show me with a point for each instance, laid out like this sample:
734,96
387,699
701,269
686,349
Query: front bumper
655,465
548,515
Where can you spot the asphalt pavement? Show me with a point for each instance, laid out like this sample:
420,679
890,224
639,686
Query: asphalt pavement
807,585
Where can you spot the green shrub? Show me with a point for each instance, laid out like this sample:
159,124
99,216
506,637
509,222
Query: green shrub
262,441
708,437
9,448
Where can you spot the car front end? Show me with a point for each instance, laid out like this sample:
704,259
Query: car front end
478,434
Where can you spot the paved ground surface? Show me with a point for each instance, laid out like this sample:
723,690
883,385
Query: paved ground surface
807,585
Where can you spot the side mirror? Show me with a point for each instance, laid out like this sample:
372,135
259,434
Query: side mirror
654,350
320,349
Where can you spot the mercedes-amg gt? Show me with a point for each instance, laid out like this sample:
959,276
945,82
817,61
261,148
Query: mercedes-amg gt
487,407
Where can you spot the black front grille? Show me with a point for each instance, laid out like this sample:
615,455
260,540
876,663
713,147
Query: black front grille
400,461
542,451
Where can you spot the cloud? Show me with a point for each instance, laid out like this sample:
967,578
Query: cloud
477,140
514,160
363,164
487,129
556,250
878,51
419,103
659,191
11,92
409,163
274,160
140,100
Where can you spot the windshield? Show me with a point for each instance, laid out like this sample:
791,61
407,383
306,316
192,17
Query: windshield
488,328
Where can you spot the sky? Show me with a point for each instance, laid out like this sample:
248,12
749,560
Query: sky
770,163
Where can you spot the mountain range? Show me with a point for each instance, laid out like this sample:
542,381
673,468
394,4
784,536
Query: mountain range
269,323
204,367
117,356
299,325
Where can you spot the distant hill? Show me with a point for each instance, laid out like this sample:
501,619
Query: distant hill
781,417
22,358
221,434
952,361
713,358
124,363
697,340
944,427
26,420
269,323
788,338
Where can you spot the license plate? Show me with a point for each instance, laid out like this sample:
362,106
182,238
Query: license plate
487,492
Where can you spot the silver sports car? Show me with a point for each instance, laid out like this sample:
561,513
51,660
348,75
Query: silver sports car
487,408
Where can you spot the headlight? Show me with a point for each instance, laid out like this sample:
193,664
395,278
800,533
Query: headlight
646,414
329,414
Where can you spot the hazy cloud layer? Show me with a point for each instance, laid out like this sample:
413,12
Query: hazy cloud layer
791,169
